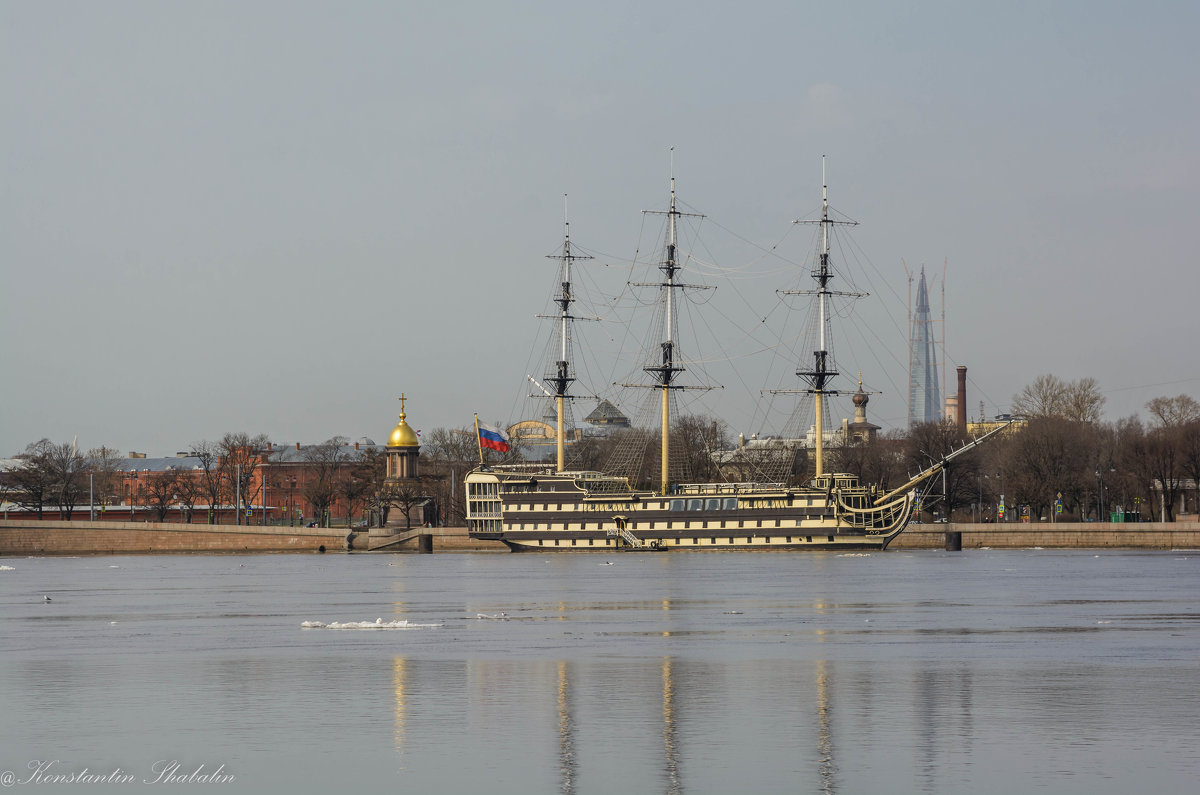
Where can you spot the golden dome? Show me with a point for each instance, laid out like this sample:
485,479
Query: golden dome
403,435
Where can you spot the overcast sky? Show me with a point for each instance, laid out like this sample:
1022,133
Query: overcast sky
275,217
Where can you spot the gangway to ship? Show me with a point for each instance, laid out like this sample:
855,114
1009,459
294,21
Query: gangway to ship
627,536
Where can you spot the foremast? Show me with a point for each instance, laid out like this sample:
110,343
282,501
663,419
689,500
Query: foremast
563,375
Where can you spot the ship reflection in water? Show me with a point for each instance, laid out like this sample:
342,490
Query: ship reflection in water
602,726
673,725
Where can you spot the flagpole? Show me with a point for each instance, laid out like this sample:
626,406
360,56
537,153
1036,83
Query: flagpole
478,441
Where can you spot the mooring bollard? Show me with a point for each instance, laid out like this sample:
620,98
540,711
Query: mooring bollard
954,542
425,543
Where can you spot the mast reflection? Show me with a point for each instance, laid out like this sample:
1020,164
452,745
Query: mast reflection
670,744
827,765
566,733
399,690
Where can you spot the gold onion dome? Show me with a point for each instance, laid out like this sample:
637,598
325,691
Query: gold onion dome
860,398
403,435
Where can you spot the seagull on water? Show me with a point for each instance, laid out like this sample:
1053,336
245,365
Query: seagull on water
47,599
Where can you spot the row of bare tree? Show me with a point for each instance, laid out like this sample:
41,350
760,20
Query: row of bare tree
1062,452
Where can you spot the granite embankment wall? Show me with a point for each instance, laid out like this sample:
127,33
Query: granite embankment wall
25,537
442,539
31,537
1093,535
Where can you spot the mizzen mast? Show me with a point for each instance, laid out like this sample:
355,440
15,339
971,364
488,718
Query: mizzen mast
822,373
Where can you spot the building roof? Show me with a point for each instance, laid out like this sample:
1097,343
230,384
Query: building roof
606,414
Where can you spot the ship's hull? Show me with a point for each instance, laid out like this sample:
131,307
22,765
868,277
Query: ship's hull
577,542
561,513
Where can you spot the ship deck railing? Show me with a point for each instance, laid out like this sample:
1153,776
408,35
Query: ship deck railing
586,475
725,488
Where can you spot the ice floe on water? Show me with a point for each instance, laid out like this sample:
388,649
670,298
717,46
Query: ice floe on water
493,616
7,568
854,555
378,623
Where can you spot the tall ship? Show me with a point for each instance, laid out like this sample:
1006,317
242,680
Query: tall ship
531,507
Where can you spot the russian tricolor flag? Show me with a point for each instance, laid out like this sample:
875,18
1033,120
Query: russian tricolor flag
493,438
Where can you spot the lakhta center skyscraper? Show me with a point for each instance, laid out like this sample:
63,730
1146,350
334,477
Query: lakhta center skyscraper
924,397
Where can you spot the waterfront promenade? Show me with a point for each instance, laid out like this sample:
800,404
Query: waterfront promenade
28,537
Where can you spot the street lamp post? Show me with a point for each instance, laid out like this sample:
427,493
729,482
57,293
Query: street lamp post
291,502
979,503
1000,475
132,495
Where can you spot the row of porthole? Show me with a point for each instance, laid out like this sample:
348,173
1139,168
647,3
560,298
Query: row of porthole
635,525
695,541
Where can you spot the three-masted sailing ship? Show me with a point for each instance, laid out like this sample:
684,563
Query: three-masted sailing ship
554,509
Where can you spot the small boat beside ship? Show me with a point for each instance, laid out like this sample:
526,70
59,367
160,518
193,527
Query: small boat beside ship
550,508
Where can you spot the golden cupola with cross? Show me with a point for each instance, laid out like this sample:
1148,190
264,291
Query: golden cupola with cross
403,449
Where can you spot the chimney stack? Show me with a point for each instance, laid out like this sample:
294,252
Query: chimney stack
962,400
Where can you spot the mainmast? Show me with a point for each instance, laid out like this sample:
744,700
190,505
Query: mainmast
665,372
821,373
562,376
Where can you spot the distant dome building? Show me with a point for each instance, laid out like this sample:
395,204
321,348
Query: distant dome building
861,429
606,415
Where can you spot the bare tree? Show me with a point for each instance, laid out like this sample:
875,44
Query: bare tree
325,462
104,464
160,490
66,469
355,484
240,456
768,460
1130,487
1048,457
189,490
877,461
1083,401
1190,457
929,442
698,438
405,495
212,482
31,482
1171,447
1163,456
372,470
1043,398
587,453
1050,396
1174,412
451,445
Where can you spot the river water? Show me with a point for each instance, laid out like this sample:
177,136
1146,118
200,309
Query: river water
984,671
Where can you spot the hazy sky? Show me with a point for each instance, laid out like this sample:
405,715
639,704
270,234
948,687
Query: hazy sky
277,216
